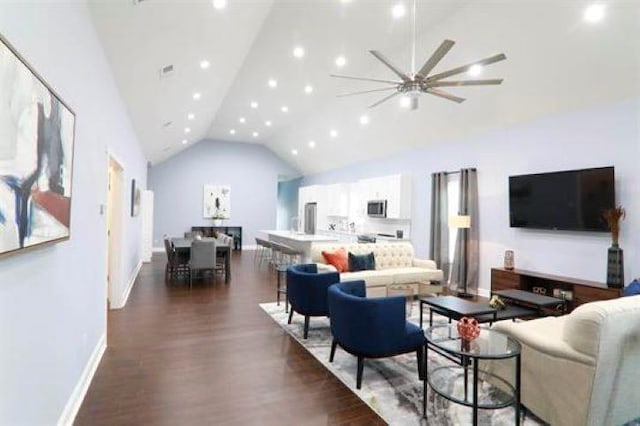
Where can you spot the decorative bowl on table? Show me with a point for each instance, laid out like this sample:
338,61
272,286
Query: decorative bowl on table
468,328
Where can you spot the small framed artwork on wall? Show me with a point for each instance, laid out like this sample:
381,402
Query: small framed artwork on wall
135,199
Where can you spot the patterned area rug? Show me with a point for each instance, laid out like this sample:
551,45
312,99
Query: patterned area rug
390,386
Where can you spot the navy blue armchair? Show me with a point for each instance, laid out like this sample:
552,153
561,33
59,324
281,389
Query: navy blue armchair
307,291
371,328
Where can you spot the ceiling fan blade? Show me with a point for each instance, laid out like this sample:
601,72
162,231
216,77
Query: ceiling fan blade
386,98
436,57
445,95
348,77
464,68
366,91
465,83
392,67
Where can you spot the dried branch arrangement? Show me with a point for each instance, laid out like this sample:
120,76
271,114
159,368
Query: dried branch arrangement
613,217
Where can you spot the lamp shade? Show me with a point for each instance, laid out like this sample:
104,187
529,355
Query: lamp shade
460,221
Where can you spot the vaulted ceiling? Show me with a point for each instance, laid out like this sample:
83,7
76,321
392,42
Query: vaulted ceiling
557,61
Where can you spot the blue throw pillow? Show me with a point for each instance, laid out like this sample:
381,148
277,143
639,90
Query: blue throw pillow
633,288
365,262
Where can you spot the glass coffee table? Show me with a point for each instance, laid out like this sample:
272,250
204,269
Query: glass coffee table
465,355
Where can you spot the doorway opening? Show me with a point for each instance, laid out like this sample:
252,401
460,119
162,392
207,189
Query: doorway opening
114,231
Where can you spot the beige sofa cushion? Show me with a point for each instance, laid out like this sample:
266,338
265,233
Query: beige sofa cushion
371,278
414,275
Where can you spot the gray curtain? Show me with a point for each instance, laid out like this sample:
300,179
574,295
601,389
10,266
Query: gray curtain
464,274
439,240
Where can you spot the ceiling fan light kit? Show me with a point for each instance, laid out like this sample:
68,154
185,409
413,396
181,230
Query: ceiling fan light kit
411,85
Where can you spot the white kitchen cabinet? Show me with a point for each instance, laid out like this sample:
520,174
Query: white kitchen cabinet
337,196
395,189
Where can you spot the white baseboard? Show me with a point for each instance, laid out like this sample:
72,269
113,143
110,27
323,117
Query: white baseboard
125,295
70,411
158,249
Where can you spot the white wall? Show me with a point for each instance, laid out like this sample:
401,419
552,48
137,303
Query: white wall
53,300
251,170
600,136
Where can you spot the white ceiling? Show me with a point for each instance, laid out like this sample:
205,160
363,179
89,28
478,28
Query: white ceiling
556,62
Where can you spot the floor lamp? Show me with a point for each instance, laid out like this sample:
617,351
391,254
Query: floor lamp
461,223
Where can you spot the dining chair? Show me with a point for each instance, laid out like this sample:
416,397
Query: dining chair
203,257
175,265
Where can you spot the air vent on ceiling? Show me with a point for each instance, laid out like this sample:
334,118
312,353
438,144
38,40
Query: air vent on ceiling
135,2
166,71
167,124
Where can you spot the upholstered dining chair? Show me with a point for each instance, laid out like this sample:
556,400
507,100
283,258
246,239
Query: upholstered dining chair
203,257
307,291
174,264
371,328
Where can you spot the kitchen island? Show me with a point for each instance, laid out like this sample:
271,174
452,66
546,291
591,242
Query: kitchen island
299,241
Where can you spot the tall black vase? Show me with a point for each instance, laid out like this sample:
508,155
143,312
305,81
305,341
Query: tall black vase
615,267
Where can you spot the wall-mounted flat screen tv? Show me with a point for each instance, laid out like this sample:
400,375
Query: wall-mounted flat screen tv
572,200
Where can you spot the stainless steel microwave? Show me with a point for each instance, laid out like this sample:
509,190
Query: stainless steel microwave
377,208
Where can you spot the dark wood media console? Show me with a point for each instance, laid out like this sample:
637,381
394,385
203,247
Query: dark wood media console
581,291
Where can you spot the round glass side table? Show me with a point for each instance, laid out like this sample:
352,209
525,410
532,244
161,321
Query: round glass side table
466,355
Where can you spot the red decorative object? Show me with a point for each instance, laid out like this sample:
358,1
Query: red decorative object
468,328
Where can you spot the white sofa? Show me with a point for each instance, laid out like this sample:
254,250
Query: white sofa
395,264
582,368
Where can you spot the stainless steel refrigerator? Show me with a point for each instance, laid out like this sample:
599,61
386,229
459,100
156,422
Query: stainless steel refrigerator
310,216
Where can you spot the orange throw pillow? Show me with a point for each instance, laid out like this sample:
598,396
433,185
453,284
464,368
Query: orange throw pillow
338,259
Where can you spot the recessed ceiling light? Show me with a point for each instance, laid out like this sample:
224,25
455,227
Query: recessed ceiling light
204,64
196,96
294,152
254,104
308,89
273,83
333,133
405,102
364,119
284,108
341,61
191,116
187,130
232,131
255,134
475,70
312,144
594,13
242,120
267,123
184,141
219,4
398,11
298,52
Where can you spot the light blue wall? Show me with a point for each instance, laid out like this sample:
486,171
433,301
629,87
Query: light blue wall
250,170
53,300
287,202
607,135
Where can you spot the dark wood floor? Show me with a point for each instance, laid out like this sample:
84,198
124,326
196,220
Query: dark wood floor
211,356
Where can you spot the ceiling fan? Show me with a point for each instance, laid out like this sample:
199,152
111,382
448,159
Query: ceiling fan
414,83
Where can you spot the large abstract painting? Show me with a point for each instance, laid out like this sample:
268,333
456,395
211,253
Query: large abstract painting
36,157
217,202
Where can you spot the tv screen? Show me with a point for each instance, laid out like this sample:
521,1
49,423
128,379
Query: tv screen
571,200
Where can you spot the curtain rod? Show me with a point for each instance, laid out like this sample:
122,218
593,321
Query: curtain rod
458,171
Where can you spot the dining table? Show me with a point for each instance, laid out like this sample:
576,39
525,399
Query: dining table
183,248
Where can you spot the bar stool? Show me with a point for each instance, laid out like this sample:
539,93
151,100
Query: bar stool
285,256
